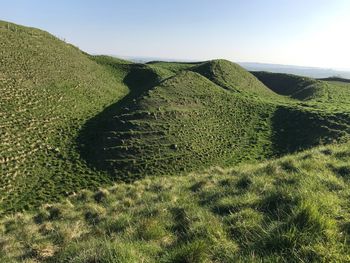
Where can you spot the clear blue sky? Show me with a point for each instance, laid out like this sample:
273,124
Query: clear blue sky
299,32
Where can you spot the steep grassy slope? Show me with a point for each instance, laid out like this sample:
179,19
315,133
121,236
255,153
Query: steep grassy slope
184,123
48,90
296,87
330,95
294,209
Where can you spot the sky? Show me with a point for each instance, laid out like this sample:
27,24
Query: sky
293,32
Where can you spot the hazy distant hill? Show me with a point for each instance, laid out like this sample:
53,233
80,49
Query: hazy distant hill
297,70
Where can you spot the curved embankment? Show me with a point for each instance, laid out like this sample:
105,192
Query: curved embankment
213,113
296,87
184,123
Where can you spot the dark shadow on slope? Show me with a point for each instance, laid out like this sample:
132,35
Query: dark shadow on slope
296,87
94,136
297,129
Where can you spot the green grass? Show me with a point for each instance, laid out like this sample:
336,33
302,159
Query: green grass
296,87
174,127
49,89
293,209
175,67
104,160
73,121
233,77
211,113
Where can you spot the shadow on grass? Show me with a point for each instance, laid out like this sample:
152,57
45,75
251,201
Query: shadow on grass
297,129
94,136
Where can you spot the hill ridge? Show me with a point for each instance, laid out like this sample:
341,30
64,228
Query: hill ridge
61,107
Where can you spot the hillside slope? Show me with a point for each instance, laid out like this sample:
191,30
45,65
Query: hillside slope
193,119
184,123
293,209
70,120
232,77
330,95
48,90
296,87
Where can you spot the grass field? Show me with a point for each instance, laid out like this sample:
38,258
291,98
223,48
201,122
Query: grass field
105,160
293,209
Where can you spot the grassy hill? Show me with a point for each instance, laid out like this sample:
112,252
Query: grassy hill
72,121
72,124
184,121
232,77
49,89
329,94
179,127
296,87
293,209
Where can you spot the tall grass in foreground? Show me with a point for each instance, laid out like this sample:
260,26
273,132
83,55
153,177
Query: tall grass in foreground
294,209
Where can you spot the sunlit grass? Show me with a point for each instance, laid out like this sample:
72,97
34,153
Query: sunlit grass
292,209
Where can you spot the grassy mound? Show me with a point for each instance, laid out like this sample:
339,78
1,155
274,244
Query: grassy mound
49,89
296,87
232,77
330,94
294,209
184,123
184,120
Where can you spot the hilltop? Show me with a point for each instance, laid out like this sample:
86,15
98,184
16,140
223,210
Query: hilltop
175,126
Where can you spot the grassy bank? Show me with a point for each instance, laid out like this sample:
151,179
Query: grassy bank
293,209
